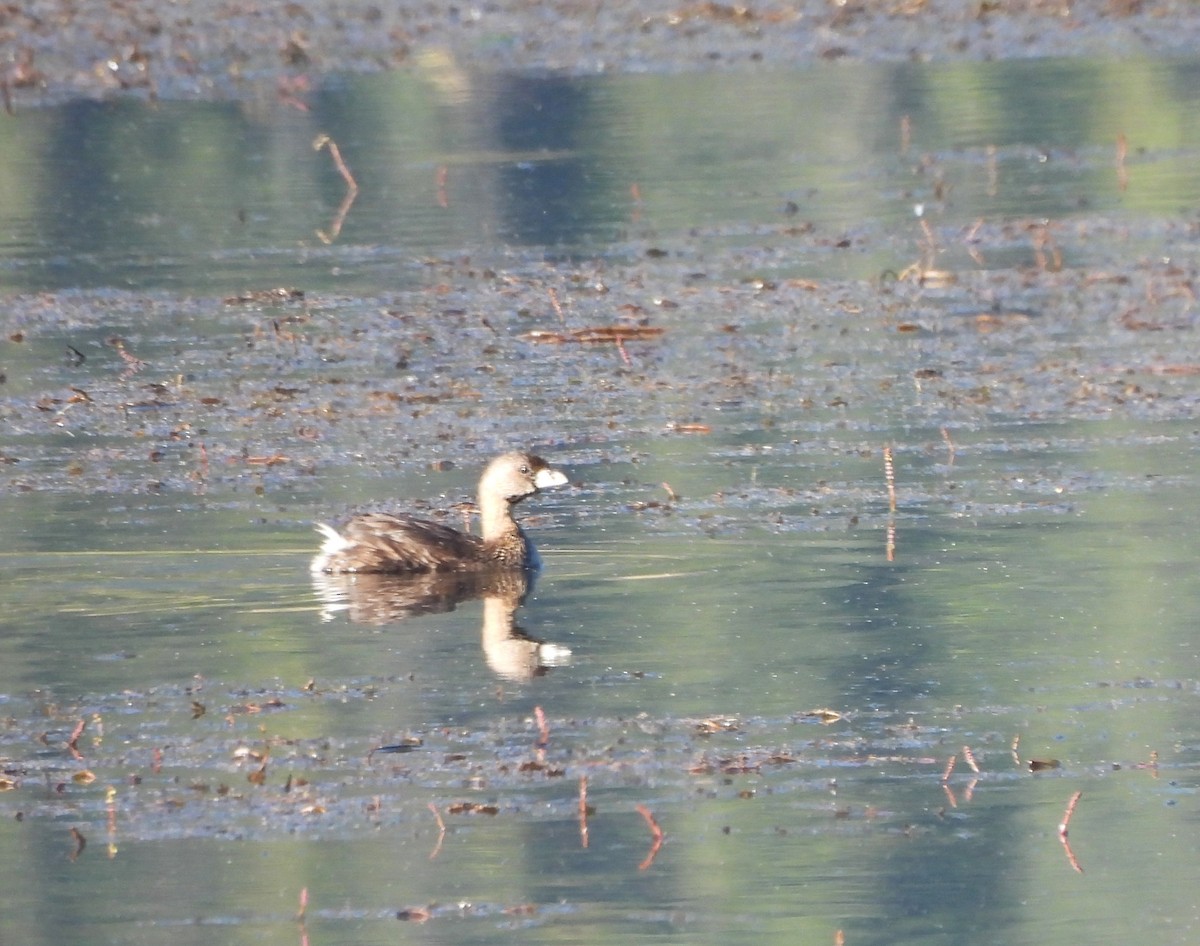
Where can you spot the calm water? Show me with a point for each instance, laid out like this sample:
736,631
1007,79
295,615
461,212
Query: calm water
1031,596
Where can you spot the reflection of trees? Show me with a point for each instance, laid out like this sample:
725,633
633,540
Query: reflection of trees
553,193
143,195
129,193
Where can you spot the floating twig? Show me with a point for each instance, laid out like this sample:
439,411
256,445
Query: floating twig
1062,833
441,831
110,807
303,911
73,741
274,459
443,195
1013,748
558,309
655,832
1071,858
969,756
1046,252
1152,764
1062,826
324,141
929,247
950,763
599,334
80,844
543,727
133,364
971,239
950,797
889,476
949,446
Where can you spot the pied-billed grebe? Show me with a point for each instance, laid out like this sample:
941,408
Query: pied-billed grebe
385,544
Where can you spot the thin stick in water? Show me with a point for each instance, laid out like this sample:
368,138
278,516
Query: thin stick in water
1062,827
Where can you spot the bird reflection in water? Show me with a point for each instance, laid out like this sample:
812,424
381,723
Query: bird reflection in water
378,600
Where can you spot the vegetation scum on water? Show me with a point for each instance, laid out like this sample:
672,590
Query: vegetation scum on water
126,392
200,50
212,767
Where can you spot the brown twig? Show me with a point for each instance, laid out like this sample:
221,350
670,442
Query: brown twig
598,334
543,727
441,831
443,195
1071,858
655,832
1046,252
110,807
339,219
73,741
324,141
1062,826
1062,833
950,763
558,309
133,364
889,475
80,844
969,756
949,446
971,239
950,797
929,247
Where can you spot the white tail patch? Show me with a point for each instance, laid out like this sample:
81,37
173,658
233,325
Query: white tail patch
334,543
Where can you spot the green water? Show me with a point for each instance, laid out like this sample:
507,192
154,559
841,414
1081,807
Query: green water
725,560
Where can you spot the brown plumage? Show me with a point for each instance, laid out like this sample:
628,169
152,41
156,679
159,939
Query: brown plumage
382,543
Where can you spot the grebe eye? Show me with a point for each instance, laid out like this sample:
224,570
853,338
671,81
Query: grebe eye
524,469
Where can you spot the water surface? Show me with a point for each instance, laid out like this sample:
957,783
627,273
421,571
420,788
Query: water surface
961,266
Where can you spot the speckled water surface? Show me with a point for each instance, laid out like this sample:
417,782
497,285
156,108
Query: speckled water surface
876,386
